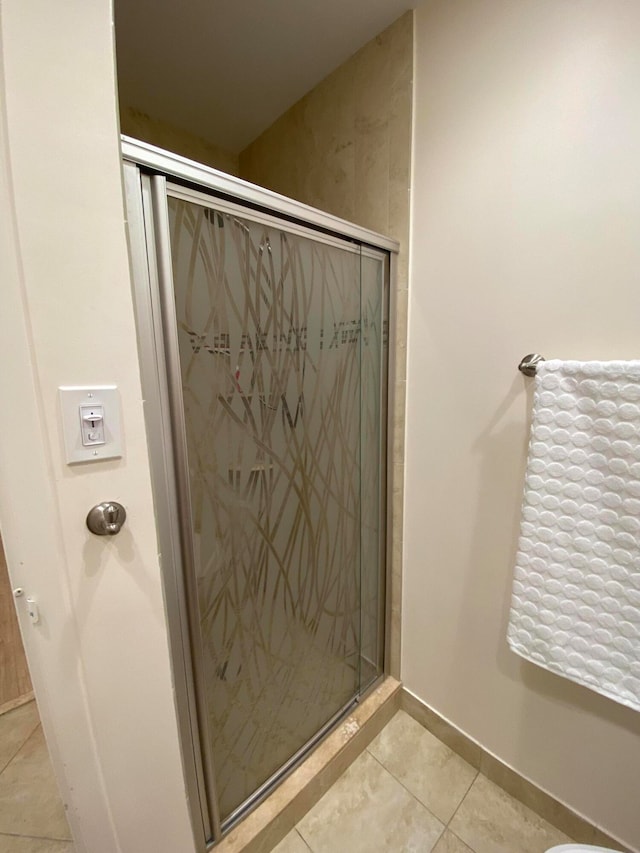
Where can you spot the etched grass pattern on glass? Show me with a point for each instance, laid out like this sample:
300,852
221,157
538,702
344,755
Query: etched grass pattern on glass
271,351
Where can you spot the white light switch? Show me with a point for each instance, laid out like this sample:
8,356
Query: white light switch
91,423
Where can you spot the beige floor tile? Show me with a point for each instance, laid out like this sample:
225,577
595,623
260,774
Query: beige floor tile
490,821
16,727
29,800
450,843
368,811
430,770
291,843
15,844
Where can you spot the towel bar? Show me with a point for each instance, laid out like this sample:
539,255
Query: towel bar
529,363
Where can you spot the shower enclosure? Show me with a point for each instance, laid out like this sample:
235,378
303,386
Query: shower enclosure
263,332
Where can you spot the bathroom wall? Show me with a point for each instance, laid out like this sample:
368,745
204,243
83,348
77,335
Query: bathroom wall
99,655
526,208
346,148
140,125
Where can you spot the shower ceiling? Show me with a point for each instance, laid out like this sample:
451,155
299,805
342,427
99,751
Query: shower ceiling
226,69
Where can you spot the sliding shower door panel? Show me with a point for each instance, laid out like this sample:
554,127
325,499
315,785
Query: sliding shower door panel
263,341
272,353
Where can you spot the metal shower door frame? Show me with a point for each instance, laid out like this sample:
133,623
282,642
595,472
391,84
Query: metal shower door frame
143,252
146,171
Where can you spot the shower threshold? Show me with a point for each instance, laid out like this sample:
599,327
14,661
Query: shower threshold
291,792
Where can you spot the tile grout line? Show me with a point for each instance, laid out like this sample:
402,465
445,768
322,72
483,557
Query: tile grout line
462,799
301,836
7,834
460,804
447,825
29,736
411,794
444,825
36,837
457,837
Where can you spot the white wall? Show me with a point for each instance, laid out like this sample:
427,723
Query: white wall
525,237
99,658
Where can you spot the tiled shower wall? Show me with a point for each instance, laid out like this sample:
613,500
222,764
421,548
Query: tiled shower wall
346,148
140,125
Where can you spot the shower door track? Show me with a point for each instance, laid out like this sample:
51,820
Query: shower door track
146,170
273,781
157,161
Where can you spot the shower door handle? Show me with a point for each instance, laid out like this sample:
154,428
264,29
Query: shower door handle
106,519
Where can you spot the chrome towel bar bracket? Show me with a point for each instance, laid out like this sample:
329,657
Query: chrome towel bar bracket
529,364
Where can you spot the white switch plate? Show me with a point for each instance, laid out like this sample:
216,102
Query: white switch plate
72,399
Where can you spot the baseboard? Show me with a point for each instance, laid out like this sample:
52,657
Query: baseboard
554,811
268,824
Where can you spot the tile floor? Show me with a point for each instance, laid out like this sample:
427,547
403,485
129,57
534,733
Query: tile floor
32,818
406,792
409,792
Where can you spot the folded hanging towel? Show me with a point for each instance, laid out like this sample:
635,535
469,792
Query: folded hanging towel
576,593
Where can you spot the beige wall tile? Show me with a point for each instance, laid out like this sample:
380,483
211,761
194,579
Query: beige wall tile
394,599
309,152
141,126
399,201
396,498
371,133
400,58
399,123
399,402
347,143
346,148
371,147
400,332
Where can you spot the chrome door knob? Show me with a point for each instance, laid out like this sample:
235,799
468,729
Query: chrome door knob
106,519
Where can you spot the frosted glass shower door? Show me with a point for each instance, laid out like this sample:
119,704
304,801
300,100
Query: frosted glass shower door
280,367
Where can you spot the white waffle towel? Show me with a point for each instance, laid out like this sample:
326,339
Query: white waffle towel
576,592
